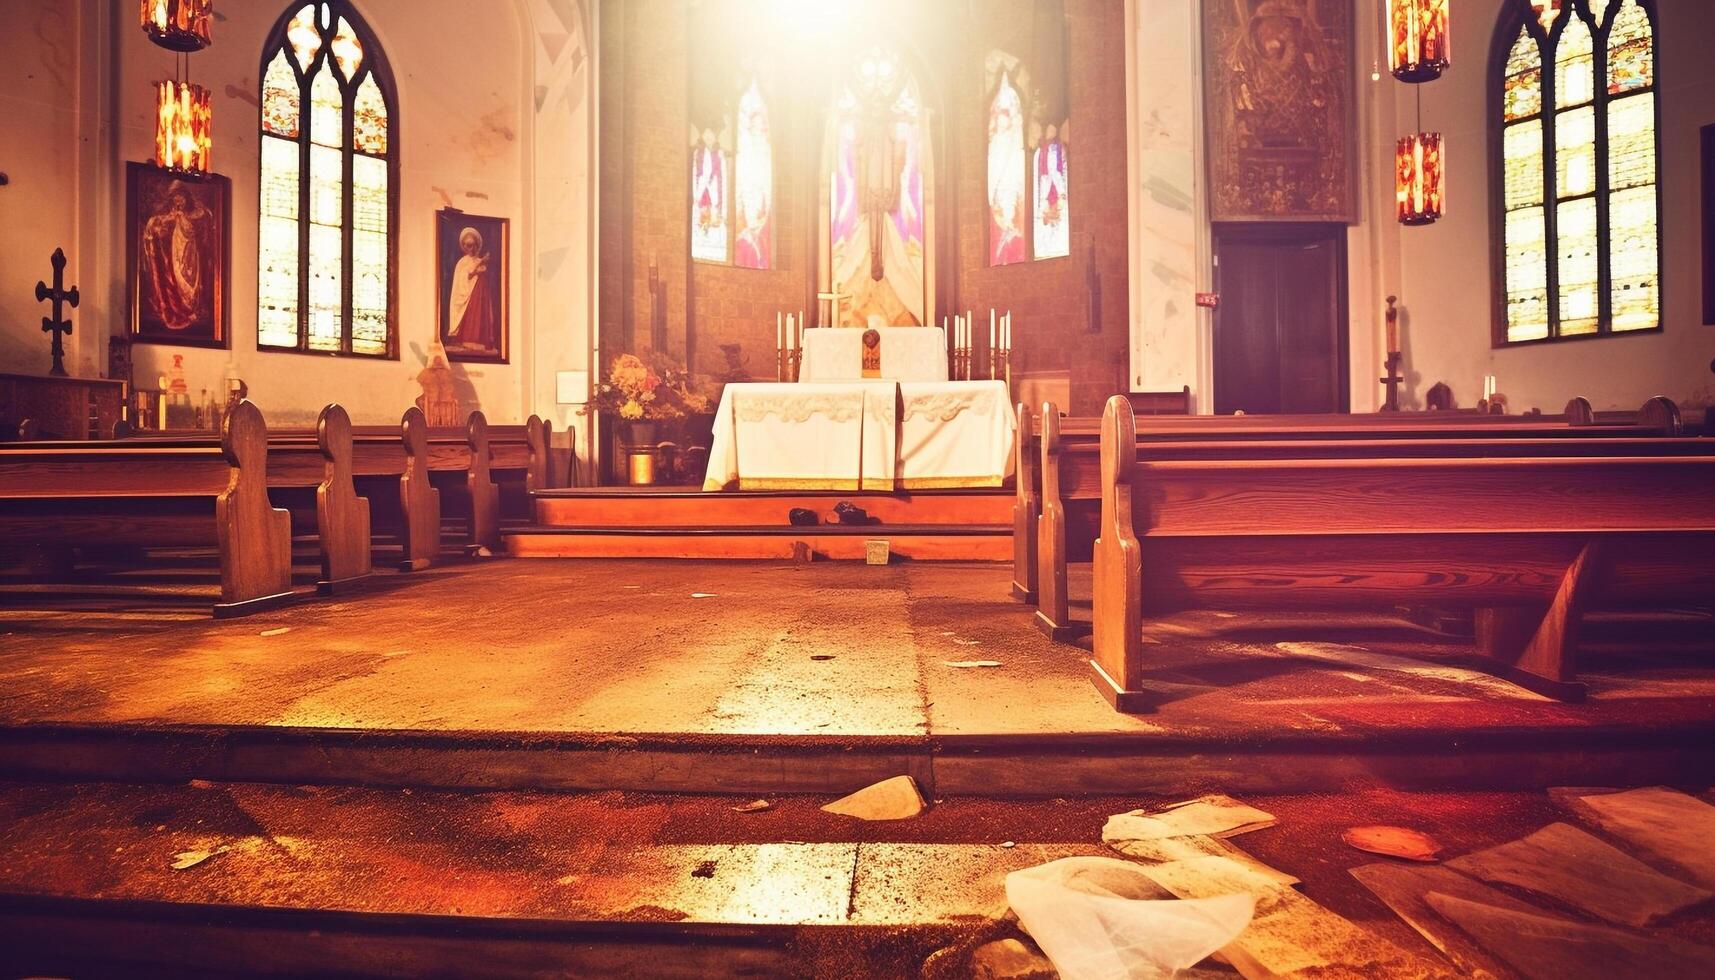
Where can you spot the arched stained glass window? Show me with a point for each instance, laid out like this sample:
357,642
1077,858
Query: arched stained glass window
1579,217
1006,175
753,183
325,252
732,184
1026,178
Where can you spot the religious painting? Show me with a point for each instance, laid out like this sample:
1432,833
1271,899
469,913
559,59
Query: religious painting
1279,96
178,246
753,184
1050,206
708,198
1007,243
878,222
472,277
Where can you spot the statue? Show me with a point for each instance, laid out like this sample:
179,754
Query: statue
439,402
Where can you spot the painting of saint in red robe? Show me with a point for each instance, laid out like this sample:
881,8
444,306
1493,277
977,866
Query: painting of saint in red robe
472,252
178,257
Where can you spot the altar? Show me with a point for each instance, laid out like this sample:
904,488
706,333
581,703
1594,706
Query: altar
910,429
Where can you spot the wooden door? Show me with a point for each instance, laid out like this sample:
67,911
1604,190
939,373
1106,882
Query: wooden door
1280,330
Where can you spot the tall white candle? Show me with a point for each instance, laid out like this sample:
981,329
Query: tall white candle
993,336
779,330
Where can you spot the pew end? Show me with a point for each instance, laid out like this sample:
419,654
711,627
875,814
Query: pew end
255,538
1025,506
1053,606
419,501
342,517
484,492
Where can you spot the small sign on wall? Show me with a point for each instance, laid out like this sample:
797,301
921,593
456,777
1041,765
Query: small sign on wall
1208,301
571,387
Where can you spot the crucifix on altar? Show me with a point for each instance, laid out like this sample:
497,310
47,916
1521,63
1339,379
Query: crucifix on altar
836,303
57,324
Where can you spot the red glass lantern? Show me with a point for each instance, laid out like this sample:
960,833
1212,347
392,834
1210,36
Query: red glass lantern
178,25
1420,166
183,126
1417,39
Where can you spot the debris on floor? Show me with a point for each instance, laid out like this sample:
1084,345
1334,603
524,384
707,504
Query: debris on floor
1215,815
1585,872
1399,842
964,664
754,806
1548,947
1098,918
1289,932
891,799
1664,826
1405,889
1009,959
185,860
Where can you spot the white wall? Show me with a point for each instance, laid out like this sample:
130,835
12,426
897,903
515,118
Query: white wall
77,101
1441,273
1444,277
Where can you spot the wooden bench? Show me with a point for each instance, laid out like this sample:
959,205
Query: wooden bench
466,467
121,492
1529,542
310,477
1056,467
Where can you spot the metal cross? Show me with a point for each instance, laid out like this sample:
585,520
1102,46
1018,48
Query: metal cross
57,324
834,297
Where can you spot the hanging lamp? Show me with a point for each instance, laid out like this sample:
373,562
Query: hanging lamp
1417,39
178,25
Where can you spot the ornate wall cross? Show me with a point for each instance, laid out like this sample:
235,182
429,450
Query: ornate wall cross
57,324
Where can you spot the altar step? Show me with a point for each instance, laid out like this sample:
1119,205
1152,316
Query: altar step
914,542
934,525
614,507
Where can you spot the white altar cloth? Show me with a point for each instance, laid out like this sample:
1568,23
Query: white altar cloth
954,434
907,354
861,435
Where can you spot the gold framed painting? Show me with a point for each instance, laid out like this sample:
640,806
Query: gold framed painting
471,277
178,256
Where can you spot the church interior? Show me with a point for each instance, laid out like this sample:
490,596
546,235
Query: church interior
991,488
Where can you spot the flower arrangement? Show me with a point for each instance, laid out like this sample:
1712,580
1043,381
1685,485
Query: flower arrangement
636,390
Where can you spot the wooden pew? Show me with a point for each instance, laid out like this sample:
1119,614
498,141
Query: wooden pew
1527,541
119,492
1057,486
450,472
310,475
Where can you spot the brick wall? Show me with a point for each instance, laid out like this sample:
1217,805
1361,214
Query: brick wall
645,182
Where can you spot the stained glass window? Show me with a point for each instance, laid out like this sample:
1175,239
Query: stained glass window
753,183
326,228
1578,183
879,223
1007,243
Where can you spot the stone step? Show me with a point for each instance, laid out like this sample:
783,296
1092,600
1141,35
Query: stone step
614,507
914,542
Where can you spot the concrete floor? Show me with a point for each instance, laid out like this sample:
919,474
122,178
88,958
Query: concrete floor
641,858
766,649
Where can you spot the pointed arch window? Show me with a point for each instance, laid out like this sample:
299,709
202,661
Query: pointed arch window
326,255
1027,178
1575,100
732,184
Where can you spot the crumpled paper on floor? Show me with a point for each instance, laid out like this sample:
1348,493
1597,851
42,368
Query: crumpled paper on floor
1102,918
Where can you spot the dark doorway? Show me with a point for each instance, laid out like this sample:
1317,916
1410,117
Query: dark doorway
1280,331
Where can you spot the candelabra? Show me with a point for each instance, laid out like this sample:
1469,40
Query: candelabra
787,362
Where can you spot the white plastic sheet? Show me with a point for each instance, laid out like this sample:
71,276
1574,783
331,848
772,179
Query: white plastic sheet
1101,918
